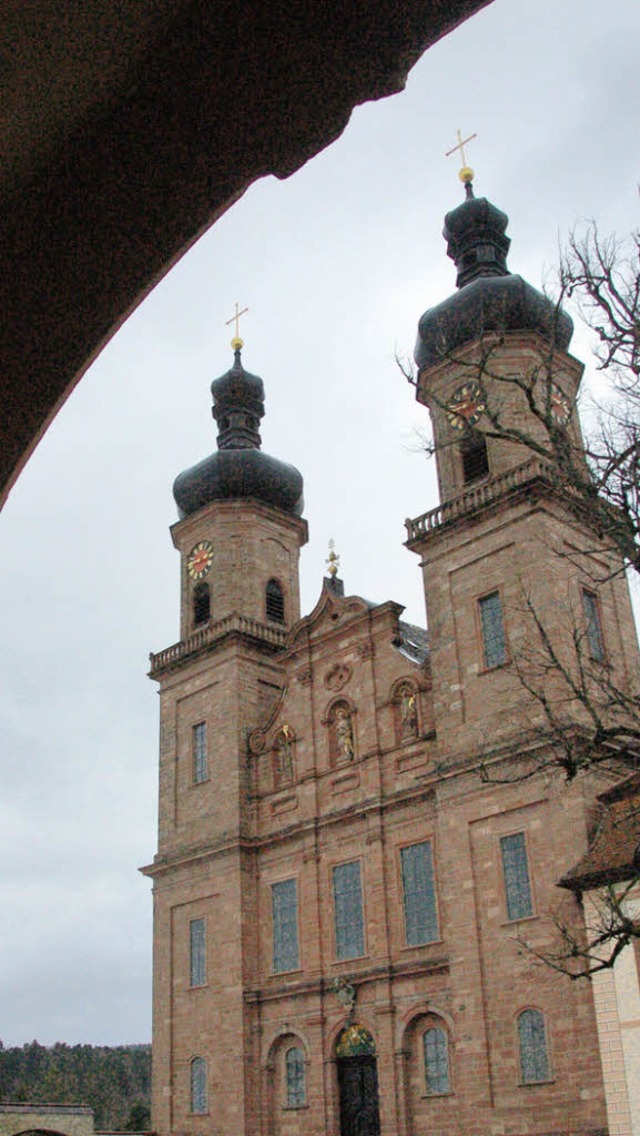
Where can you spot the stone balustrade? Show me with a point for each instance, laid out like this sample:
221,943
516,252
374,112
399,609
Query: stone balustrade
484,493
201,639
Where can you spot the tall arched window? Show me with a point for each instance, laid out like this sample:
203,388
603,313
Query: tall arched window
201,604
294,1076
274,602
436,1060
199,1102
475,459
532,1040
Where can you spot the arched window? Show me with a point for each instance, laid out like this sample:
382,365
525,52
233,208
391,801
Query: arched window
475,459
294,1077
199,1085
436,1061
532,1040
201,604
274,602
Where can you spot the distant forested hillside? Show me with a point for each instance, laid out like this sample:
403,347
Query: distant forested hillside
114,1081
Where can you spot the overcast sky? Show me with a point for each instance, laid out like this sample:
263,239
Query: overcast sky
336,265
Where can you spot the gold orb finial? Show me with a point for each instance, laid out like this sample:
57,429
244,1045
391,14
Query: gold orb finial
466,173
236,343
333,560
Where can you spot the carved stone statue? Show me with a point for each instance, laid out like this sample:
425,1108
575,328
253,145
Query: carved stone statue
343,726
408,711
283,754
345,992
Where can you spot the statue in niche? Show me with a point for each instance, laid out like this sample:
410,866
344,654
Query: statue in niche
407,711
283,755
343,734
345,992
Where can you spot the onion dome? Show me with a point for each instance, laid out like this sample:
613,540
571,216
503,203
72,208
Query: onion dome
239,469
489,297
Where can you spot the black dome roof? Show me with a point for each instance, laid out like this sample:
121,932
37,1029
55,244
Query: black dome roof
489,297
239,469
231,474
498,303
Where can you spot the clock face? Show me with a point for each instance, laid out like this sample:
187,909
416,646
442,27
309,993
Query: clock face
560,407
200,559
466,406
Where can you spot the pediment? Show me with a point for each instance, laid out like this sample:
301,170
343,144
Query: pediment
331,611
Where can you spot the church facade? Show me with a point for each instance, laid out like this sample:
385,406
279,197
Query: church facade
357,858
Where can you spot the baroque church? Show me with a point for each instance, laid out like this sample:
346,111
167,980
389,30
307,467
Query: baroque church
356,856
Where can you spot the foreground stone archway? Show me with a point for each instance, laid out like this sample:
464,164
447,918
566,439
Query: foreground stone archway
129,131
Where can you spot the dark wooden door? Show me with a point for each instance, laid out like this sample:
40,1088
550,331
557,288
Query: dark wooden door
358,1081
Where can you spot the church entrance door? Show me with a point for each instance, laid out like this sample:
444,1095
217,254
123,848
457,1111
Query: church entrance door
358,1083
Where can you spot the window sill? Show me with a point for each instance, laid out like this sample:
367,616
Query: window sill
520,919
350,958
294,1107
198,986
287,973
423,946
436,1096
536,1084
493,669
197,784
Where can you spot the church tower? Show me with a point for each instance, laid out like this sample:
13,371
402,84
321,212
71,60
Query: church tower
507,556
239,537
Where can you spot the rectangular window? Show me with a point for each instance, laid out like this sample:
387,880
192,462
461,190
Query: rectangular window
284,906
594,628
197,954
516,876
347,902
418,886
200,760
494,645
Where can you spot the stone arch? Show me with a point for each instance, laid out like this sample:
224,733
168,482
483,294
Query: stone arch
406,709
423,1010
39,1131
355,1040
340,719
427,1048
333,1033
276,1036
287,1103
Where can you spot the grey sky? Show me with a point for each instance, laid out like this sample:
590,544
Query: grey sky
336,265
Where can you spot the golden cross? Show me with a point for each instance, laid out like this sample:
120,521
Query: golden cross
236,341
466,173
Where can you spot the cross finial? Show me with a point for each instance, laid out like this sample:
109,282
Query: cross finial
466,173
236,342
333,560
